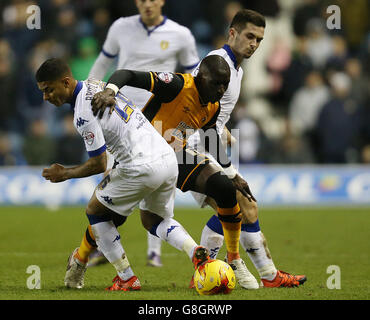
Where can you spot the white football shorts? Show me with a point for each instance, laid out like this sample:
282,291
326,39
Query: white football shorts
151,185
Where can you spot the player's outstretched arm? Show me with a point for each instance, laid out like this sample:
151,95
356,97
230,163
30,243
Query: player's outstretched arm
59,173
120,78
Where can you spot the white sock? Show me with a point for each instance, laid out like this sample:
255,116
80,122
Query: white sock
123,268
212,240
173,232
154,244
108,240
253,244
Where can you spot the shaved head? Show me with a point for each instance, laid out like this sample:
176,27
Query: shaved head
212,79
214,64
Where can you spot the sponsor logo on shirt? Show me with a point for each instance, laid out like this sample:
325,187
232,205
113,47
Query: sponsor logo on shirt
88,137
80,122
165,76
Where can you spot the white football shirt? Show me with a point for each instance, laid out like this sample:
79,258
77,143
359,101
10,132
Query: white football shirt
231,95
157,49
126,133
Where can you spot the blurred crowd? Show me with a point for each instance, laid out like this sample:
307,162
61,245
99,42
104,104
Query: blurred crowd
304,98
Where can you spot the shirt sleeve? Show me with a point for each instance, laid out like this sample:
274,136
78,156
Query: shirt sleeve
166,85
92,133
188,57
111,47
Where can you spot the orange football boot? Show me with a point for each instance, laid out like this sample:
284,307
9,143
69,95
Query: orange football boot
284,279
121,285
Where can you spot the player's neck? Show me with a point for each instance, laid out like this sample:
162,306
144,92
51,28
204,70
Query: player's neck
72,89
239,58
153,22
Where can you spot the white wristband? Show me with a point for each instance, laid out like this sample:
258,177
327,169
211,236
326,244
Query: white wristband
112,87
230,172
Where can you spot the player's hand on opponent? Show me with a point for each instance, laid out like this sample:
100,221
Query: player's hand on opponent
242,185
56,173
102,100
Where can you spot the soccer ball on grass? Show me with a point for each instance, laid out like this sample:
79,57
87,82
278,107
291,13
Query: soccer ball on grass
214,277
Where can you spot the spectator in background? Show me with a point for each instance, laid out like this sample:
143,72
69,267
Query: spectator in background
29,100
307,103
65,29
355,17
87,53
319,43
291,148
38,146
364,139
8,86
338,123
70,148
9,155
308,10
337,60
360,82
249,140
101,22
15,29
293,77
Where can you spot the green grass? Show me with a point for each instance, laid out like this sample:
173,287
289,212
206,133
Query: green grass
300,240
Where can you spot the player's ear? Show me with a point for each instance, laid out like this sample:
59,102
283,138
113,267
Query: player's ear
232,33
66,81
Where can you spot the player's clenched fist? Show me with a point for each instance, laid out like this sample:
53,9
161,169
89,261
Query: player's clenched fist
101,100
56,173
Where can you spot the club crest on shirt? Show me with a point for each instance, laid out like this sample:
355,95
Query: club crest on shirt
165,76
88,137
164,44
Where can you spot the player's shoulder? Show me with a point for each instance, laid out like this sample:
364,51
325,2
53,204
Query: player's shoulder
173,25
224,54
125,22
83,99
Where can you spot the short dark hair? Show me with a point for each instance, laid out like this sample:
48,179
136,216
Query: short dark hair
244,16
52,69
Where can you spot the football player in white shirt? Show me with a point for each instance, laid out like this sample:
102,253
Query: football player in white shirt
148,41
146,174
245,35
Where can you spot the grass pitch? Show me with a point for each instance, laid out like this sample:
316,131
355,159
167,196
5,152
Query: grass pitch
301,241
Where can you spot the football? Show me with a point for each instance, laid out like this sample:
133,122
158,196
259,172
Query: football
214,277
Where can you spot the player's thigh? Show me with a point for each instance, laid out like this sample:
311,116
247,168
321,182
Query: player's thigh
122,189
194,170
161,187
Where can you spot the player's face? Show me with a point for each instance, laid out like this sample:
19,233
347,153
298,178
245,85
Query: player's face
214,86
150,10
246,42
56,92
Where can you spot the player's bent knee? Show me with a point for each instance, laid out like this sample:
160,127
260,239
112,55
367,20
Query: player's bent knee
149,219
222,190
